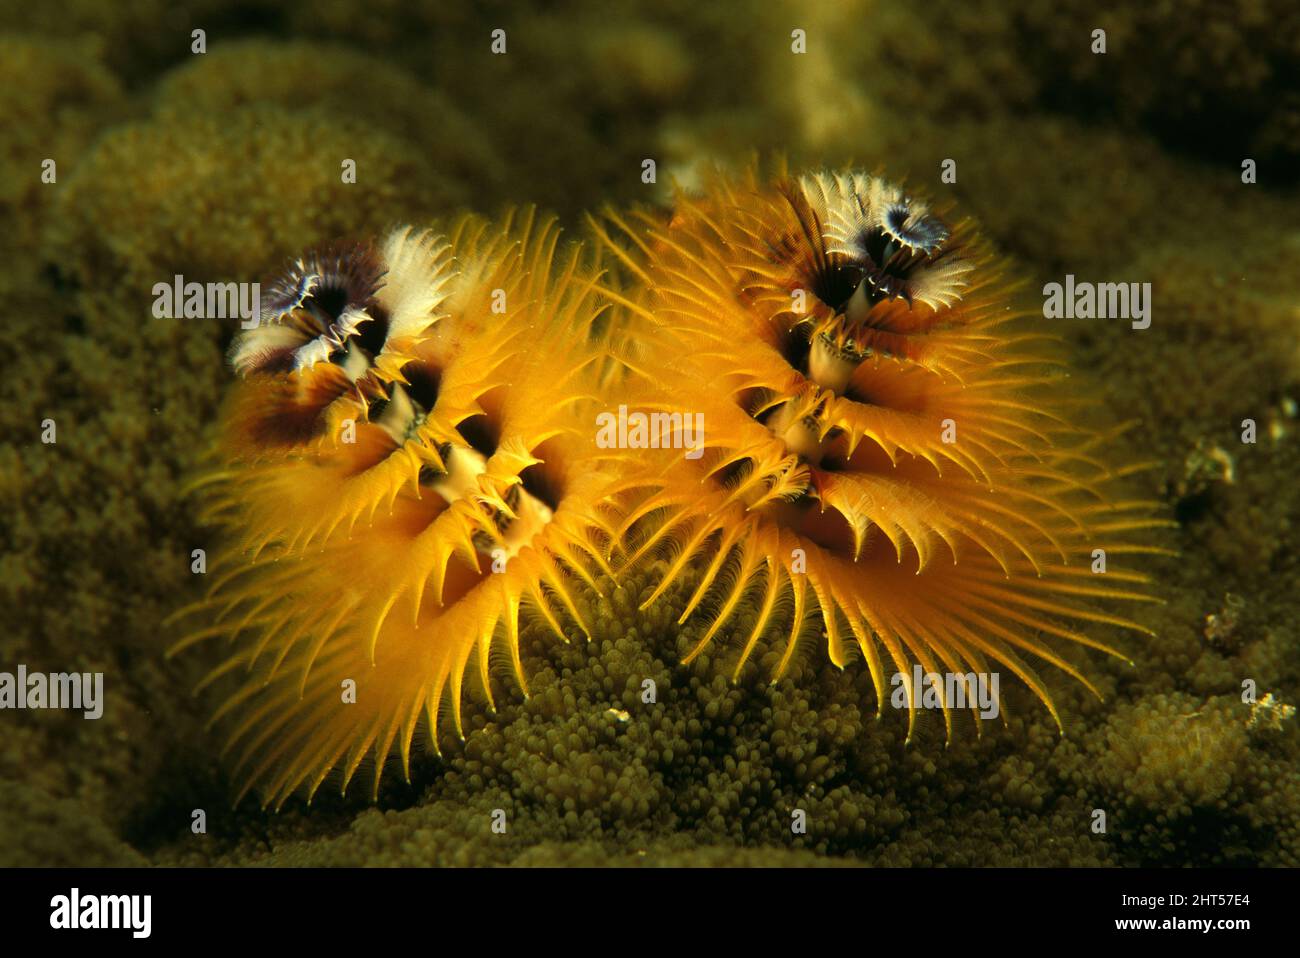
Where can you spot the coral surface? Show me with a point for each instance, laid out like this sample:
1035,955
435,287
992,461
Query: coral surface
221,165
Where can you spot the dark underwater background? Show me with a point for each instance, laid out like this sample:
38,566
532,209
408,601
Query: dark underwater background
1125,166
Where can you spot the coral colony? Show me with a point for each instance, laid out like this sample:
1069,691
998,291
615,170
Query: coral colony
802,406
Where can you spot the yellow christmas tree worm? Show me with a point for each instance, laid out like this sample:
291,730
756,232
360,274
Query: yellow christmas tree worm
407,460
889,458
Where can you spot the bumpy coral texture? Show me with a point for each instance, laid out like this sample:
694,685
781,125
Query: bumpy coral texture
99,527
